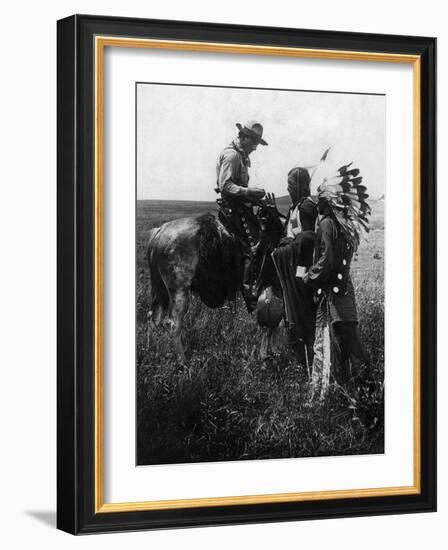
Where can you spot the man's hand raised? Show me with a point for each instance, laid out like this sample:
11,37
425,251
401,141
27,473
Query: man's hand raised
270,201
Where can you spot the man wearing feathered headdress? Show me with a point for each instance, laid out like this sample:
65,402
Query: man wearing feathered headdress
343,218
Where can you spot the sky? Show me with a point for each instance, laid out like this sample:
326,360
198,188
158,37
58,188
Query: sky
181,131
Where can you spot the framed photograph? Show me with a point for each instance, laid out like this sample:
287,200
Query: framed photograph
246,274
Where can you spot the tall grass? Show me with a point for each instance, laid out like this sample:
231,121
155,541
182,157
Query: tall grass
228,404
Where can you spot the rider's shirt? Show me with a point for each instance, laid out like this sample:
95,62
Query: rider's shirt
232,171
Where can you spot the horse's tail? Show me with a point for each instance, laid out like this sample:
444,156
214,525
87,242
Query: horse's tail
215,270
159,293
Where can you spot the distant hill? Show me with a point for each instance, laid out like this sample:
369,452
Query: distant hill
152,213
283,203
175,208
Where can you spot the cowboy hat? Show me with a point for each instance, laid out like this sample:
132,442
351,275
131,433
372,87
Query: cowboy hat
253,129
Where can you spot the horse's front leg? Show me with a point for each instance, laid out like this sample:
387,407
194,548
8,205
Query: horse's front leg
269,316
269,342
266,343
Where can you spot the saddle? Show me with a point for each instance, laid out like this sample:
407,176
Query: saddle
235,217
252,245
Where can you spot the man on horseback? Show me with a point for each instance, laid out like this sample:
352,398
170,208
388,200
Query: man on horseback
238,199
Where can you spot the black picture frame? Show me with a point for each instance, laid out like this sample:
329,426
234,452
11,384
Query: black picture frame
76,511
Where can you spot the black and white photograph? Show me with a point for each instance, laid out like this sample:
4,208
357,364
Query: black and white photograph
221,312
260,238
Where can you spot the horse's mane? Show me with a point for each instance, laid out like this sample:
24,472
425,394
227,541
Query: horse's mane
214,280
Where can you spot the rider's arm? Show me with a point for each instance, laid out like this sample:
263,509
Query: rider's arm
229,172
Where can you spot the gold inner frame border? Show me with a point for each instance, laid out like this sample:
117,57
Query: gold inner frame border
100,43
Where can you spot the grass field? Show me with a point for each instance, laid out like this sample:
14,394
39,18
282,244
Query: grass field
228,404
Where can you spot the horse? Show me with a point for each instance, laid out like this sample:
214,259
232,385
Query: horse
201,255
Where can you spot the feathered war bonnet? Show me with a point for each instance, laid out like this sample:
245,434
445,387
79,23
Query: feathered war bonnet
346,197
